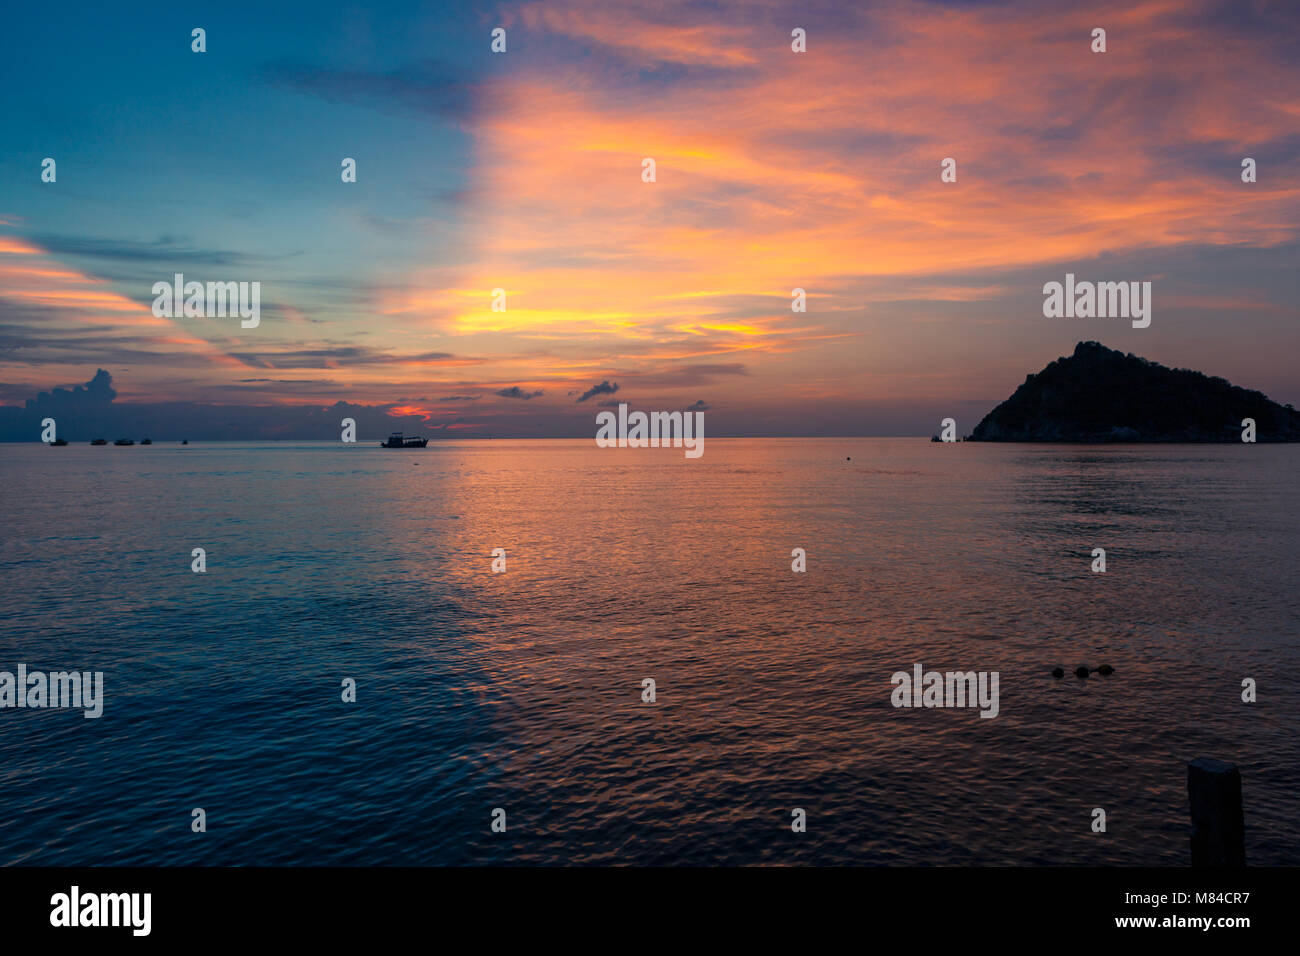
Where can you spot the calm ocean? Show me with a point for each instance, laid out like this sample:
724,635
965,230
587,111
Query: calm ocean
522,690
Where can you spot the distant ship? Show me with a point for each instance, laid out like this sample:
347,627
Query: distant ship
60,442
395,440
147,441
100,441
124,441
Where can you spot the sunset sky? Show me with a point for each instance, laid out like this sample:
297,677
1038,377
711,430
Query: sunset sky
522,171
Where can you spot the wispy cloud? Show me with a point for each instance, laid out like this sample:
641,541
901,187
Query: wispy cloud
775,171
514,391
604,388
427,87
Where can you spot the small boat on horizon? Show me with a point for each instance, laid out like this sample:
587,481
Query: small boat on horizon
100,441
124,441
396,440
59,442
147,441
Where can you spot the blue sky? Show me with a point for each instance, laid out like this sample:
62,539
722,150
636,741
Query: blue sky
522,171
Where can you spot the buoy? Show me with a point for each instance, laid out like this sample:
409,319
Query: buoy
1081,672
1105,670
1058,671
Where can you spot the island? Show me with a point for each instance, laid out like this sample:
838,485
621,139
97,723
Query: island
1099,394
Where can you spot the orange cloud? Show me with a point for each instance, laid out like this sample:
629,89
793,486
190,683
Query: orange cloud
778,170
76,303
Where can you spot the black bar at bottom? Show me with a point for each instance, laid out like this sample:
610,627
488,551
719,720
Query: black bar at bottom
336,905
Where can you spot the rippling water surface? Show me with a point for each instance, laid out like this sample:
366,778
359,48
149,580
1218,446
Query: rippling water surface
523,690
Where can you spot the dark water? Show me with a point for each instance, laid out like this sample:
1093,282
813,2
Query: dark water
522,690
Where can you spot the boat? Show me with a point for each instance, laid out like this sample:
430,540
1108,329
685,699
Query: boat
185,441
147,441
59,442
396,440
124,441
100,441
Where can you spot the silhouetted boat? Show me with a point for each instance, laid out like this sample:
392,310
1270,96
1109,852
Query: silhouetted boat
395,440
147,441
60,442
100,441
124,441
185,441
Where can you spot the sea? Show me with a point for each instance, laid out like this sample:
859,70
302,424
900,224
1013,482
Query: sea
519,696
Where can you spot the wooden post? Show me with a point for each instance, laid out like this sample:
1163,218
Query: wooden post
1218,827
